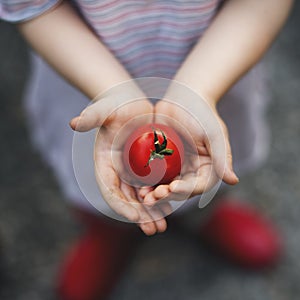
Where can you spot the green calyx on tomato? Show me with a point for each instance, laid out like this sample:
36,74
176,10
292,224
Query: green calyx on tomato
160,149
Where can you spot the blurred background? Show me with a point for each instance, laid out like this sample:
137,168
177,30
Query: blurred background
36,226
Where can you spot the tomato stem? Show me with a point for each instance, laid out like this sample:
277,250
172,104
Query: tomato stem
160,149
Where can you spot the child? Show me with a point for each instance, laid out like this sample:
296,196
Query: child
207,45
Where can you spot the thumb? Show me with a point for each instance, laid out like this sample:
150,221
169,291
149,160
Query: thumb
220,150
103,107
73,123
89,118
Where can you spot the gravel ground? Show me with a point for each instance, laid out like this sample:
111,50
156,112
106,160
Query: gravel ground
36,227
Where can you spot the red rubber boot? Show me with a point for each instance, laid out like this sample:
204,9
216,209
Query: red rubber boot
242,235
94,264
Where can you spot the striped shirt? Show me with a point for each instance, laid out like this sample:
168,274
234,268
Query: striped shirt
149,37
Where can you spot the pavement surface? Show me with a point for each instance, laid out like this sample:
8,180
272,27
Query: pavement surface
36,226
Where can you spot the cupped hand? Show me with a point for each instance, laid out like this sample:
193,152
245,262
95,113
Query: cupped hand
110,114
207,156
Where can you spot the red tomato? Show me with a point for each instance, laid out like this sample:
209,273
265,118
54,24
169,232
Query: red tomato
153,154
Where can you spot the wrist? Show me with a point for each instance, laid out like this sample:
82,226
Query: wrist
125,90
181,92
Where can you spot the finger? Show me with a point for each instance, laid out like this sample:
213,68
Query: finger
145,221
194,183
152,220
156,194
143,191
91,117
109,185
158,212
162,194
220,151
158,216
73,123
103,110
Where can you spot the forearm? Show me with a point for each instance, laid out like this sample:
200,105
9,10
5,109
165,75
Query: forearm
73,50
238,37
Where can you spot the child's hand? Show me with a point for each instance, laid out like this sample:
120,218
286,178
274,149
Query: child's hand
207,152
120,196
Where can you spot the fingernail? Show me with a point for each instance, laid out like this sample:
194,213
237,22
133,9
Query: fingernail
73,122
236,178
